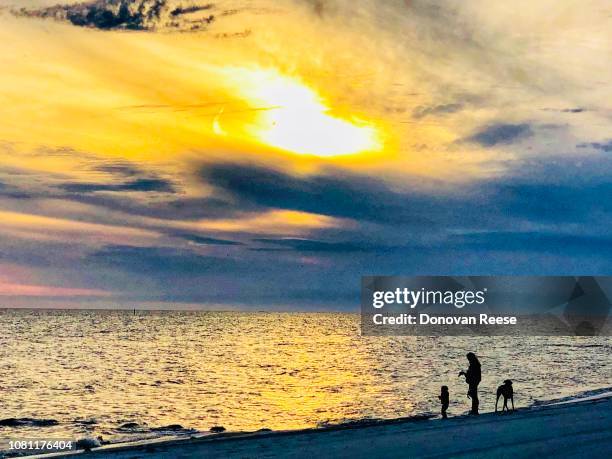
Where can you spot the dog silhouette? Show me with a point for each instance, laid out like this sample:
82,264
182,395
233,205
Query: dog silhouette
506,391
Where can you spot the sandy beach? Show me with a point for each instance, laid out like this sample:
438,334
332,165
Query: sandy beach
580,428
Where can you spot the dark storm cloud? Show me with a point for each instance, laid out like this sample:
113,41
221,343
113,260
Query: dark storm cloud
124,182
497,134
129,14
141,184
124,199
545,191
337,194
548,190
121,180
117,186
602,146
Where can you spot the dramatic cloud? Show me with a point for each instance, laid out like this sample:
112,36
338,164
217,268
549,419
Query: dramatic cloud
130,14
336,193
289,147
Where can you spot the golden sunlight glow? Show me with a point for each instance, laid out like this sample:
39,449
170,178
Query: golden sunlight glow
295,118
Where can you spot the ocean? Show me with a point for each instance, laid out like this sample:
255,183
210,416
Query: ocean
68,374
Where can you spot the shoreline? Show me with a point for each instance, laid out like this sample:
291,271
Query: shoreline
570,426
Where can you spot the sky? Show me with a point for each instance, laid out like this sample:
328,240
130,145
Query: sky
267,154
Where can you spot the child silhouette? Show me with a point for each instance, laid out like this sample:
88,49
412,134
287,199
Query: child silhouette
444,400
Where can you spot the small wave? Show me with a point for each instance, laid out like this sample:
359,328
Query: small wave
581,396
131,426
27,422
86,422
175,429
171,429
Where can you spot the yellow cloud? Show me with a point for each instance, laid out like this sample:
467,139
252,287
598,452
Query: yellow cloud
39,227
157,98
285,222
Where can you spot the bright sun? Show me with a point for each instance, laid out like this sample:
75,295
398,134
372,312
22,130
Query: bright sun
297,119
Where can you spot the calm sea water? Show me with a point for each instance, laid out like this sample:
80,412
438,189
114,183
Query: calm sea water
96,371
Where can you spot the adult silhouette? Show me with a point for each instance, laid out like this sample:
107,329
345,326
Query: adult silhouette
472,378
